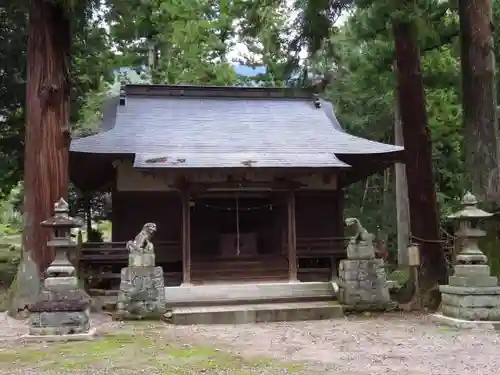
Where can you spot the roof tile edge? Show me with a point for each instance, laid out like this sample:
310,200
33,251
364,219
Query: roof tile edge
219,91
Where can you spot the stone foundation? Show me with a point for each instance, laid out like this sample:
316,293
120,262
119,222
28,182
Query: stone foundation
61,309
59,322
471,303
362,284
142,293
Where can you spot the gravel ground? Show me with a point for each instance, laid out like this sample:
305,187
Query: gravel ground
403,344
387,344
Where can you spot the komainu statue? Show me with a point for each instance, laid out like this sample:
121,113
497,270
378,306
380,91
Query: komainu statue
142,288
362,278
360,234
141,249
142,242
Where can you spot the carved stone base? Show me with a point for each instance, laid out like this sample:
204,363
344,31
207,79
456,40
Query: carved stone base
61,309
142,294
141,260
363,286
471,303
59,322
363,250
472,295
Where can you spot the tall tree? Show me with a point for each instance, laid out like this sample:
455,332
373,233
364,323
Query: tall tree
479,98
417,140
47,121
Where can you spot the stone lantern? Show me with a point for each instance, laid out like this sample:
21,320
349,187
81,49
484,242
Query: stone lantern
62,307
472,294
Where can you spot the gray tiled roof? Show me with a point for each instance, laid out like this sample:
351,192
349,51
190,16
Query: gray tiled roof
225,131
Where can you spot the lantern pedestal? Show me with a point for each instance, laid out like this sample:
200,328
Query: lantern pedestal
472,294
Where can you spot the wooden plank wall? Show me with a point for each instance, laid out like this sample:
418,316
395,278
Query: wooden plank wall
131,210
320,228
319,214
319,217
208,222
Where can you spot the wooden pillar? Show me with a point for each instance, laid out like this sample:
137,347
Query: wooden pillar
88,216
402,207
292,238
186,238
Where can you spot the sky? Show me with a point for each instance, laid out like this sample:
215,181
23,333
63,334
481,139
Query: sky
239,50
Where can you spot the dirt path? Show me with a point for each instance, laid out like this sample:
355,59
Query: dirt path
387,344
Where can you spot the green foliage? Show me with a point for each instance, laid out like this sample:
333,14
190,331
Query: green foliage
89,65
364,96
12,80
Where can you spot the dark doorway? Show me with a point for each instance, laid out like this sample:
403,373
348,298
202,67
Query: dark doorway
235,227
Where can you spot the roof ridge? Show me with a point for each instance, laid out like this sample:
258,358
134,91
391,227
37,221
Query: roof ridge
206,91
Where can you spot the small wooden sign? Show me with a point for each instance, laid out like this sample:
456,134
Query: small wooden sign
413,255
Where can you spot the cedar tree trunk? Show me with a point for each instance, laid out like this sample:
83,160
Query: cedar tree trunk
479,97
424,221
47,122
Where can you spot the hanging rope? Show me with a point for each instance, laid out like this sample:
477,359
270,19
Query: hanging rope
237,226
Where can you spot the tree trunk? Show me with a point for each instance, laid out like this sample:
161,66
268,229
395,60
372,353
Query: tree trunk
421,189
479,98
47,122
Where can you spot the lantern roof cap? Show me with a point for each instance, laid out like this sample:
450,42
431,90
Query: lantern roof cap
470,209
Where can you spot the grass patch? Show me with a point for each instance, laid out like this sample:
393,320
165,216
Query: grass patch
132,352
10,255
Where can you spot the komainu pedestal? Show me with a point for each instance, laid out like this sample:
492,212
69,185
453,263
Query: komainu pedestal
362,277
63,307
142,287
472,294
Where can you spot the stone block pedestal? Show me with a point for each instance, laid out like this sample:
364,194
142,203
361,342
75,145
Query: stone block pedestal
472,294
60,317
362,284
142,293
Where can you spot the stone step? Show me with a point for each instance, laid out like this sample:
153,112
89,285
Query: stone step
225,278
220,293
211,267
238,271
256,313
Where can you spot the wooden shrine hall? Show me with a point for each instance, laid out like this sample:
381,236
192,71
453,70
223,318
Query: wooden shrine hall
244,184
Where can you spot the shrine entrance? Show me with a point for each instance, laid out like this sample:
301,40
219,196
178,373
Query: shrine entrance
238,237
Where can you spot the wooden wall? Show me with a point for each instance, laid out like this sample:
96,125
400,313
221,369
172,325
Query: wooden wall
319,217
131,210
319,214
208,220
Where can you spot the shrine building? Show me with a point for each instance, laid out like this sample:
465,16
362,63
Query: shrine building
244,184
